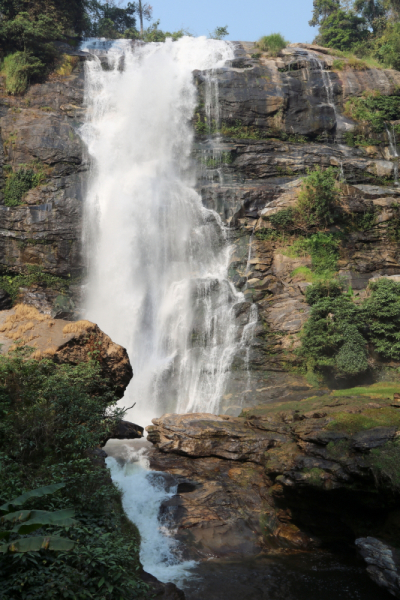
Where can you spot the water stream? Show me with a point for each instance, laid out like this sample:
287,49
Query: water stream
393,152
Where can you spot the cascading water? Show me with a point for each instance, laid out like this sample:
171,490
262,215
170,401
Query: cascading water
157,258
393,152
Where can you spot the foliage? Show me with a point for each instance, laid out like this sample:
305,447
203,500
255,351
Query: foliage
108,20
66,65
316,205
323,249
322,9
332,338
388,46
368,28
342,29
382,313
20,182
219,33
154,34
373,109
51,417
33,275
337,332
19,69
385,463
28,521
53,411
272,43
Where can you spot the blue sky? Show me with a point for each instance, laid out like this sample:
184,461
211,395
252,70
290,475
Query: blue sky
247,20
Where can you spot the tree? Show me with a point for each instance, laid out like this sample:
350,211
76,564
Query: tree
219,33
322,10
145,12
342,30
372,11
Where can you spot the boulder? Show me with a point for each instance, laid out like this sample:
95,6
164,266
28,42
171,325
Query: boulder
71,342
383,563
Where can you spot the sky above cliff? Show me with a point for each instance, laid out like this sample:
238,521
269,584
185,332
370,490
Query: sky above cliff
247,21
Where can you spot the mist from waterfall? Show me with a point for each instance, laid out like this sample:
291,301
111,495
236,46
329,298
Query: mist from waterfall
157,258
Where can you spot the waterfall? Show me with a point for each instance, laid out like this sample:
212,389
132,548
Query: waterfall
393,152
158,260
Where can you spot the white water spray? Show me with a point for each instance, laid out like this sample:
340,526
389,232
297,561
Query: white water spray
158,259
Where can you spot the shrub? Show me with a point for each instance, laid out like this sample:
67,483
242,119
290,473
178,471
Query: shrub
323,289
331,336
382,313
66,65
19,183
373,109
272,43
51,417
316,206
19,68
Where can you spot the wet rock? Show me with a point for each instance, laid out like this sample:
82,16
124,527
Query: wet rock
204,435
161,591
383,563
373,438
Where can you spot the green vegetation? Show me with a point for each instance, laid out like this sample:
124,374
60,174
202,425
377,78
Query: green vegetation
336,335
380,390
323,249
219,33
28,521
332,339
33,275
273,43
20,182
359,29
385,463
52,416
368,419
382,313
373,109
316,207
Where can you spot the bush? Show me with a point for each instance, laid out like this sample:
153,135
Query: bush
373,109
52,416
316,206
52,410
17,184
382,313
323,289
331,337
272,43
19,69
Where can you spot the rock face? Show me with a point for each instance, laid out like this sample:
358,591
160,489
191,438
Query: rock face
40,130
280,117
65,342
292,474
383,563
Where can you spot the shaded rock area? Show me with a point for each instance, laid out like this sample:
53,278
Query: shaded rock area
383,563
320,472
64,342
